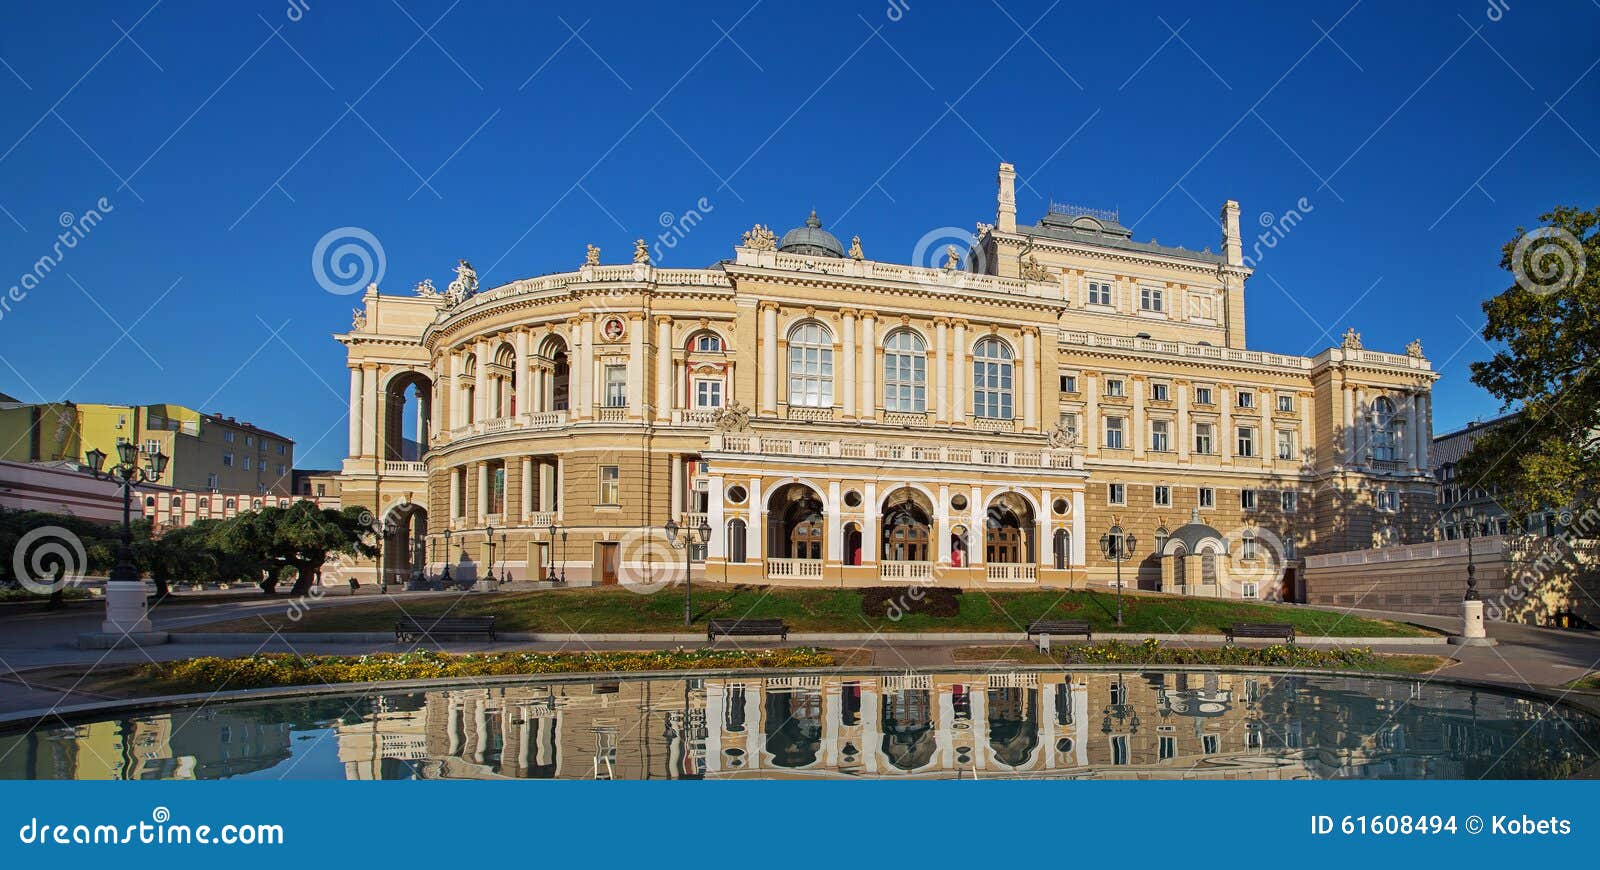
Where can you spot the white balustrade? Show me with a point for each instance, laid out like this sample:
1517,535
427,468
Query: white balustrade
1002,572
905,570
405,468
794,569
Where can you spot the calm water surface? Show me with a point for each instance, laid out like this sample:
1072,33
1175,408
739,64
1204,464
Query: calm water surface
1026,724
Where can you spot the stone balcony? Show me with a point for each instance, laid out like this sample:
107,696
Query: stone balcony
897,451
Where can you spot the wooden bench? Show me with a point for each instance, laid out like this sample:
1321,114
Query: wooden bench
746,628
1259,630
435,627
1060,626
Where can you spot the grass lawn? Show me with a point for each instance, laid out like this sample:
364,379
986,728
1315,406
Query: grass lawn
1381,663
616,609
1590,683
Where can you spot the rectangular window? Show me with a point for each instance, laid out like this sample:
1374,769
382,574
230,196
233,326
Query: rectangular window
1247,499
1291,501
249,440
1114,387
247,463
1099,293
1163,496
1203,438
211,482
1119,750
1114,433
1158,436
151,446
1245,399
1069,383
1285,444
1116,493
1202,395
1388,500
1150,299
1209,744
322,490
227,460
1285,402
1158,392
1208,497
1249,548
708,394
708,343
1247,442
610,485
616,386
226,436
497,488
1167,747
281,448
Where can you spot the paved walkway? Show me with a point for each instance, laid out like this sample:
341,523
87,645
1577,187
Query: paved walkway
1524,656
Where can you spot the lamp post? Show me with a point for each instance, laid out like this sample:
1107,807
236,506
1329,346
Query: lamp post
683,538
563,580
1473,632
1118,546
126,609
504,575
488,578
1469,530
444,576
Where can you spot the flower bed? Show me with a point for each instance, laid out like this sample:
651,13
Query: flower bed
1151,652
270,670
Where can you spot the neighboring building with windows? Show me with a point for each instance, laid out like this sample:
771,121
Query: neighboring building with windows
1461,499
167,508
39,432
208,452
978,420
320,484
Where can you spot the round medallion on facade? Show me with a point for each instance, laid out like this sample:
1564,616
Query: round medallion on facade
737,494
614,328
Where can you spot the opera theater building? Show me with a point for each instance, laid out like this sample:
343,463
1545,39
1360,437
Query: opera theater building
981,420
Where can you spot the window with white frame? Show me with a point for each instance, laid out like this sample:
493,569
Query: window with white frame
1285,403
1205,438
1290,501
227,460
1210,744
905,372
610,485
226,436
1285,443
616,386
1119,749
1247,547
1202,395
1114,433
1388,500
1163,496
1167,747
1245,399
707,393
1099,293
1247,442
1208,497
1069,422
1069,383
247,463
1116,493
249,440
1115,387
811,365
1151,299
1159,392
708,342
151,446
1385,430
991,379
1247,499
211,482
1160,441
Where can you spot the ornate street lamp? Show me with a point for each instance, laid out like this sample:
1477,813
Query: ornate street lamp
1118,546
503,550
1469,529
489,578
444,576
684,539
126,609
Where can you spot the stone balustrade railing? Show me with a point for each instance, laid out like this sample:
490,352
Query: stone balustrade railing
896,451
405,468
794,569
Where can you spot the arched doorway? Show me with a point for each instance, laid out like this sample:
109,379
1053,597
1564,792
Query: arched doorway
794,727
405,533
408,410
907,527
552,374
795,523
502,382
1008,530
852,544
909,739
1013,725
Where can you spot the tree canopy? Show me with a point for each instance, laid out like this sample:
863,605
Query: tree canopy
1546,327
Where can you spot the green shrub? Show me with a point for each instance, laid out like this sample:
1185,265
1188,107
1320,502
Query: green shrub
1151,652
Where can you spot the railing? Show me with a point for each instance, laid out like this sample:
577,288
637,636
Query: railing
405,468
547,419
905,418
809,414
700,416
542,519
1003,572
794,569
993,424
693,520
497,424
612,415
905,570
896,451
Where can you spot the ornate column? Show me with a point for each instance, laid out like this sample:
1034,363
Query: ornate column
1363,429
975,526
1424,429
941,523
1030,379
483,490
357,411
834,527
871,543
717,547
1184,436
675,488
941,382
371,407
869,366
1140,438
547,481
847,363
1304,407
636,380
480,389
1090,432
1225,434
665,368
769,357
958,365
1045,549
1268,442
755,524
1348,400
524,374
527,489
1080,545
586,372
455,499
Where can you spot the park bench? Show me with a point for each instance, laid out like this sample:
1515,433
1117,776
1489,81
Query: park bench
746,628
435,627
1060,626
1259,630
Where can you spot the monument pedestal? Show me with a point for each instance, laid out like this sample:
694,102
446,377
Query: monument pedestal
1472,630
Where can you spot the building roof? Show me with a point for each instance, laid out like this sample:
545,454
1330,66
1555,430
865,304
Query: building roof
1195,532
1451,446
811,239
1066,223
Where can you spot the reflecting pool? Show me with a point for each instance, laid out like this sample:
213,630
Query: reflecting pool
1008,724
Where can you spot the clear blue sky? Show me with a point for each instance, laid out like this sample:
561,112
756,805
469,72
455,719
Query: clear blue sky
229,138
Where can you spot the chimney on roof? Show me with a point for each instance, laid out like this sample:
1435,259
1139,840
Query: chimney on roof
1006,207
1232,244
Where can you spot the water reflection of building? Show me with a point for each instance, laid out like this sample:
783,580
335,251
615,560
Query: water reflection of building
1016,724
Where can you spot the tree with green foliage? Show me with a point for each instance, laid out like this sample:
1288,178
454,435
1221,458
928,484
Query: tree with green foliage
1547,328
273,542
99,547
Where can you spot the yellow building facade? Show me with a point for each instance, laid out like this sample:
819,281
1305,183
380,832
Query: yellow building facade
840,420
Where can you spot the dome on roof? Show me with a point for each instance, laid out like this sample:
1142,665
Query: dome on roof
811,239
1193,533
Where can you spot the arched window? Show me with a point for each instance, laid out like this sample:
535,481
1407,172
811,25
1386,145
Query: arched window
905,372
1385,430
1062,548
991,379
229,504
149,501
736,539
705,341
205,503
177,503
811,366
